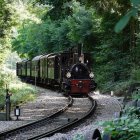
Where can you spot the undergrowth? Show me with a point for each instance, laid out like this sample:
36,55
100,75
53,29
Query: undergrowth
126,127
21,92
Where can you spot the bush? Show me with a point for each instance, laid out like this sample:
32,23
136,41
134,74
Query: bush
2,99
136,95
21,92
6,76
126,127
119,88
135,75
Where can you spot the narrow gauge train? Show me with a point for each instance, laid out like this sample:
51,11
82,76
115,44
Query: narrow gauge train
69,70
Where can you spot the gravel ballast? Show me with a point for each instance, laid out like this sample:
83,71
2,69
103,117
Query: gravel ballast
107,108
46,103
49,101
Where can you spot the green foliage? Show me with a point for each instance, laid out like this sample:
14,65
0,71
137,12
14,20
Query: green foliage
2,98
132,112
112,57
11,60
59,10
125,19
125,128
136,50
120,88
6,76
133,12
5,24
82,24
5,18
136,95
34,39
135,2
37,10
21,93
50,36
135,75
112,64
8,19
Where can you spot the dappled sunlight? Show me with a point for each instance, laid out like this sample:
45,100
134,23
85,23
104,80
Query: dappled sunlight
77,110
97,92
16,85
23,12
51,98
38,110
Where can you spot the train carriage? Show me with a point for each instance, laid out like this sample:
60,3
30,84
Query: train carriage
35,68
43,69
24,68
28,63
53,73
19,69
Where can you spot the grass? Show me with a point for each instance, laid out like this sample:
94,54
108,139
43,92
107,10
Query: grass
21,92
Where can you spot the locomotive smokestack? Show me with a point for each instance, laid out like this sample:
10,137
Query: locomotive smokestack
79,50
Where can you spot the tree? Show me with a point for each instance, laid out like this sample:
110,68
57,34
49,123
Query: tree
51,35
60,8
6,23
133,12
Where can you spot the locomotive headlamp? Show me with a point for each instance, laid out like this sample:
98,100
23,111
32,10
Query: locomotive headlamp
68,75
91,75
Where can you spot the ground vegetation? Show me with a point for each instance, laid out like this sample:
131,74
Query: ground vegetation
11,17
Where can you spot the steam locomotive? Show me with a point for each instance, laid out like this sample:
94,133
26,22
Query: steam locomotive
70,70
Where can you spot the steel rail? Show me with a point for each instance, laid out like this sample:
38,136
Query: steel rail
21,128
77,120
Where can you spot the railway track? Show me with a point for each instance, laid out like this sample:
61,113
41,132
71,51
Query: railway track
70,115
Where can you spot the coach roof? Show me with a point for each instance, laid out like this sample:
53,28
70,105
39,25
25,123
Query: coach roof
36,58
